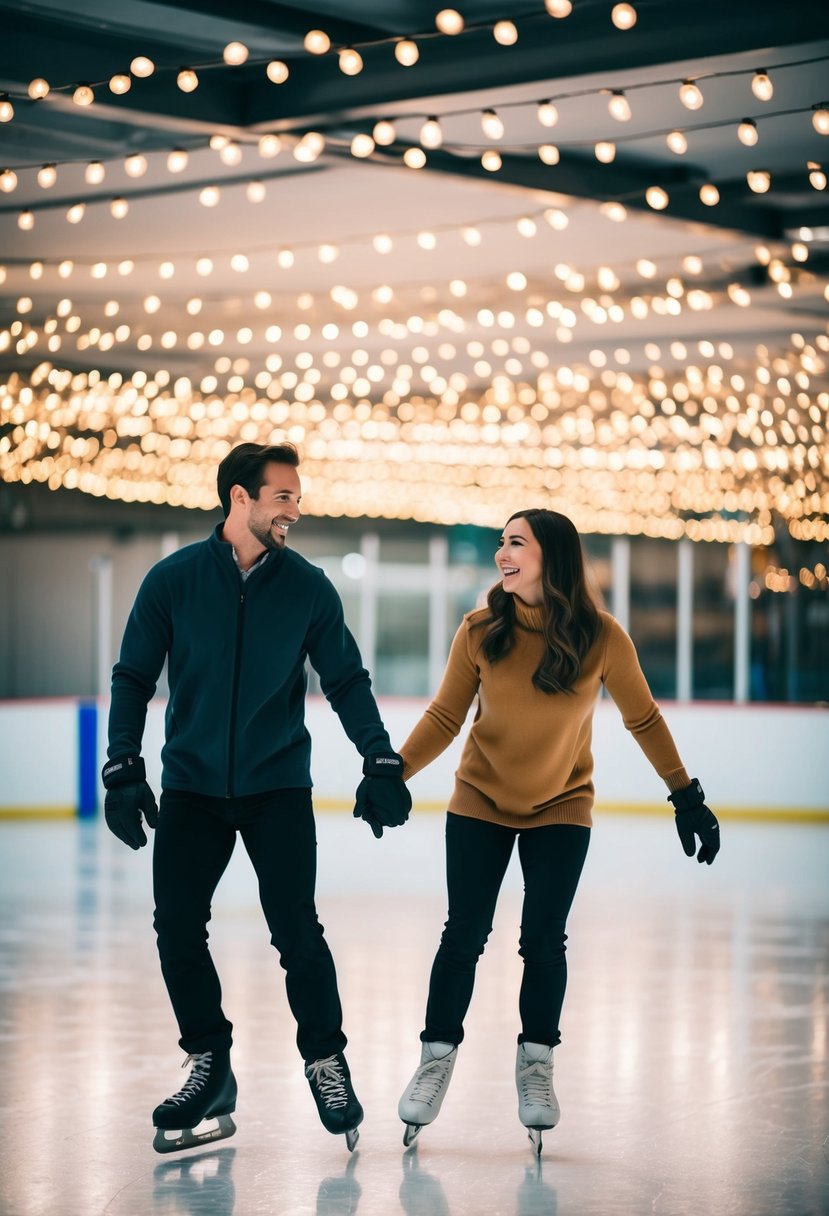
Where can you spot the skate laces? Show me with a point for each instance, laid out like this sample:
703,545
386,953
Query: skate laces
327,1078
197,1079
429,1079
536,1082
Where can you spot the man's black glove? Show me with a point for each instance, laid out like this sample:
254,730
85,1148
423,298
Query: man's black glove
382,798
128,797
694,817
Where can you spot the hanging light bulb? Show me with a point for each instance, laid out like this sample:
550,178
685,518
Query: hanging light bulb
618,106
83,95
657,198
431,133
526,226
235,54
709,194
309,147
94,173
135,165
26,221
383,243
547,114
605,151
362,145
277,72
623,16
8,181
120,84
255,192
414,158
231,154
76,213
759,180
6,108
406,52
142,67
820,120
614,212
350,61
177,160
549,154
505,33
747,132
187,80
817,177
491,124
491,160
384,133
38,88
559,8
690,95
677,142
449,21
118,208
269,145
209,196
800,251
761,86
317,42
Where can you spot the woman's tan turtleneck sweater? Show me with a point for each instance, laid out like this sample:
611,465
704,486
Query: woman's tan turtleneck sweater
527,761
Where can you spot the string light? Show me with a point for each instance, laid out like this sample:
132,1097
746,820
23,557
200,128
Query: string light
209,196
761,86
277,72
135,165
406,52
8,181
709,194
362,145
310,147
605,152
747,132
657,198
177,160
623,16
820,120
350,61
38,88
491,160
677,142
549,154
505,33
187,80
431,134
547,114
120,84
256,192
492,125
690,95
817,177
317,42
384,133
235,54
83,95
414,158
76,213
94,173
559,8
119,208
269,146
759,180
618,106
449,21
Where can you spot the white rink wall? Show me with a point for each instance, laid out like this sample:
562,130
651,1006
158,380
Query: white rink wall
752,760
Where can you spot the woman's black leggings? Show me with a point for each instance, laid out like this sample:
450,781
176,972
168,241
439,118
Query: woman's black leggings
477,855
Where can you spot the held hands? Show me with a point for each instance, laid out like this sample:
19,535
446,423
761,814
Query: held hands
693,817
382,798
128,797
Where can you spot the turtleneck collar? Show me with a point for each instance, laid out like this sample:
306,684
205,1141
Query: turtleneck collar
526,617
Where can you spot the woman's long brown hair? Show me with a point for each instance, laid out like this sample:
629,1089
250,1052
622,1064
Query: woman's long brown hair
571,618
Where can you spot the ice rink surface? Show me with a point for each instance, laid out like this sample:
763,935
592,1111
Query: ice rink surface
692,1074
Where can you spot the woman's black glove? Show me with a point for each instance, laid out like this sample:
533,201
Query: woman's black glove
382,798
693,817
128,797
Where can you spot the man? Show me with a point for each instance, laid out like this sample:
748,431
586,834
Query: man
236,616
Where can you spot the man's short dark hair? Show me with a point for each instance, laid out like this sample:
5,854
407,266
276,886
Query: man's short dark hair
245,466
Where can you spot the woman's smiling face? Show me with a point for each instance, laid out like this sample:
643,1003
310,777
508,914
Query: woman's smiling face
520,562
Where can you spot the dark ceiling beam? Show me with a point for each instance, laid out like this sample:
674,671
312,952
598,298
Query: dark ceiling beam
547,50
272,27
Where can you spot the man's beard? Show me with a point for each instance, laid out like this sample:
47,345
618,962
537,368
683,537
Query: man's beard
265,536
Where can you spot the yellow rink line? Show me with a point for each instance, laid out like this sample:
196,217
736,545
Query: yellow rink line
776,814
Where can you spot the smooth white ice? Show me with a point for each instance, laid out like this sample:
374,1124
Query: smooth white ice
692,1075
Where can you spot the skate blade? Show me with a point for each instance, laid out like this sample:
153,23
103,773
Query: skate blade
219,1127
411,1133
351,1139
534,1134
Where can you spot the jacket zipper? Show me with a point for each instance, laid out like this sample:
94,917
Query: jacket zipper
234,696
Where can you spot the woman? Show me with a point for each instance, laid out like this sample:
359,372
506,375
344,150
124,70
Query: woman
536,657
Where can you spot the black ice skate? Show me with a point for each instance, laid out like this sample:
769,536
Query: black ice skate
339,1110
209,1094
